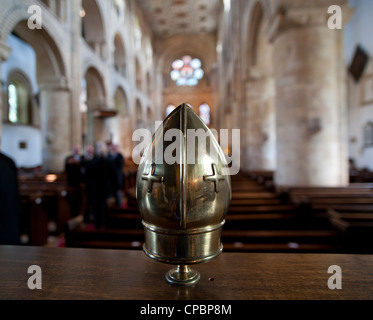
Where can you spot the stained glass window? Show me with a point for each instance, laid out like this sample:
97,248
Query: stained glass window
13,103
368,134
187,71
204,113
18,101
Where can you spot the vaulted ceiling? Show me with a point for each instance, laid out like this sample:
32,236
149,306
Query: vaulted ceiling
171,17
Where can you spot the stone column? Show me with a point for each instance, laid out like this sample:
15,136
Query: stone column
261,126
4,53
310,113
55,124
76,74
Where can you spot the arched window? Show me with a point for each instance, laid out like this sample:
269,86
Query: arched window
186,71
139,116
19,102
368,134
138,75
204,113
119,55
137,33
169,109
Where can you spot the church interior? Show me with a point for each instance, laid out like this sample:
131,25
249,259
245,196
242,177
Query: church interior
294,77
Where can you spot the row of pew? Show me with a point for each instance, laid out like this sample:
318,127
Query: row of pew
45,207
48,204
261,218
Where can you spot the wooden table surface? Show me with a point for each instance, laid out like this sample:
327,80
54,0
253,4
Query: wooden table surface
73,273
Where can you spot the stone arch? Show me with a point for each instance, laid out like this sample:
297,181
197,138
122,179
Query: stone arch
47,42
149,114
96,99
202,47
254,30
121,101
138,114
204,50
139,82
121,126
257,15
50,62
93,27
95,88
51,75
148,84
120,64
19,79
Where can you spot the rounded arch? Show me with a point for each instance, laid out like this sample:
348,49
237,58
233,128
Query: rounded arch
138,113
201,48
148,84
47,42
139,82
149,114
95,88
256,22
120,55
19,97
257,14
121,101
93,27
50,63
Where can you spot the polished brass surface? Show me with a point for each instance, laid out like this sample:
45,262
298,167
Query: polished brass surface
183,191
182,275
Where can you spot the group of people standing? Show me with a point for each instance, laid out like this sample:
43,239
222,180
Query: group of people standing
99,174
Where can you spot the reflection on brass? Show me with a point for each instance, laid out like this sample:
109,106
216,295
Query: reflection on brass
183,203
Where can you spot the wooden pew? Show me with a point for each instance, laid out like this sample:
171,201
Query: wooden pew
123,230
44,204
355,229
257,220
34,220
280,241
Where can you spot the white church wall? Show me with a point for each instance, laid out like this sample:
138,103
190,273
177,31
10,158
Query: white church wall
360,93
22,144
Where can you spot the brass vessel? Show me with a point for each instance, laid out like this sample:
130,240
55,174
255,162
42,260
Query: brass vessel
183,192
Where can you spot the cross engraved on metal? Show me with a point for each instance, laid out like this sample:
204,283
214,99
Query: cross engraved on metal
215,177
151,178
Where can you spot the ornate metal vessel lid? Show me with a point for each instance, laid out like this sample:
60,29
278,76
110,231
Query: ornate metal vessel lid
183,191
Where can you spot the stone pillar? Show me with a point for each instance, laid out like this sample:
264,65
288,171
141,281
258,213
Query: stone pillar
4,53
261,126
76,74
310,113
55,124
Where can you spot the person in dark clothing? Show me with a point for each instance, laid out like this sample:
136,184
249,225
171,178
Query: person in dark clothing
117,160
9,202
73,168
88,167
74,179
98,176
